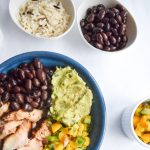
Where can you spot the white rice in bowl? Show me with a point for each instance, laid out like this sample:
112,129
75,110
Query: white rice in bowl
44,18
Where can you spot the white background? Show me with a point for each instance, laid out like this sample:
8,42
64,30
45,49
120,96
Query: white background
124,77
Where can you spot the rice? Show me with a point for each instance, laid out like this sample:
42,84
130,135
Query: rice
44,18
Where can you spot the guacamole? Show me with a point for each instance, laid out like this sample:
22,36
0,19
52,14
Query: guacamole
71,98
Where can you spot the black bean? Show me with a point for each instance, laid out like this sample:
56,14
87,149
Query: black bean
38,100
97,30
107,43
118,39
12,97
31,67
2,76
116,26
41,105
113,48
110,14
19,81
28,107
12,81
21,74
94,9
5,96
44,95
36,82
122,29
33,73
87,37
28,75
100,25
108,34
37,63
113,21
89,26
122,45
28,84
22,89
16,89
20,98
41,75
34,104
112,40
99,38
28,99
119,7
123,14
8,87
99,46
36,93
105,20
14,106
124,38
105,37
90,18
100,7
44,87
101,14
107,27
48,103
107,48
82,23
119,19
115,10
89,10
114,32
124,20
1,90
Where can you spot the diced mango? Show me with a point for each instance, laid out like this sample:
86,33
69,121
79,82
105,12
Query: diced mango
138,132
84,134
71,146
55,127
81,129
136,120
144,122
87,141
146,137
59,147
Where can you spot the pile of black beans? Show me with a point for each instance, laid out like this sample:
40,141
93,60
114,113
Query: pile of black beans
105,28
28,86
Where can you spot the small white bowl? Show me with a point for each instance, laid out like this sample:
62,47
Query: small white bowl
127,122
14,6
131,25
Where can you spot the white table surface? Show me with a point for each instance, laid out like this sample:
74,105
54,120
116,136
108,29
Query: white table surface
124,77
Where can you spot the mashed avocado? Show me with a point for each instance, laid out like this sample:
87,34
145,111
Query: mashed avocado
71,98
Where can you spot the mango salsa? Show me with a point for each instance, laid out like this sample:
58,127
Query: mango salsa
75,137
141,122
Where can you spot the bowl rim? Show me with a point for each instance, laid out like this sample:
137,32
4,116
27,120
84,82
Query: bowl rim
91,46
131,123
75,64
46,38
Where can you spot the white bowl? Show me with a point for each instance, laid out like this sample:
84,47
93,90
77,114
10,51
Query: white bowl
127,122
131,25
14,6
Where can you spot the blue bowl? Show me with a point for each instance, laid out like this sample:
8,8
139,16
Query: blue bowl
51,59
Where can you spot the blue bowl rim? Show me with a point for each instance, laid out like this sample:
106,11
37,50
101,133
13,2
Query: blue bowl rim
77,65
